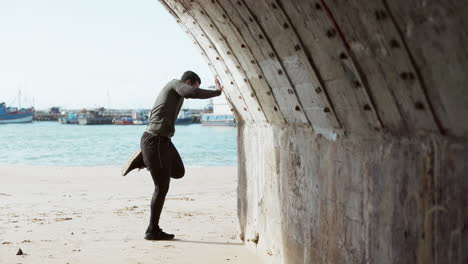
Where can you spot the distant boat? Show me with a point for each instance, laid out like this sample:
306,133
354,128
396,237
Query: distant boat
218,120
93,117
71,119
88,120
15,115
184,118
123,120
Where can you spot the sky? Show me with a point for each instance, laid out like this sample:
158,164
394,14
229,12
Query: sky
91,53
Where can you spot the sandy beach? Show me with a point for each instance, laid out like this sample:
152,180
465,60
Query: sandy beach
94,215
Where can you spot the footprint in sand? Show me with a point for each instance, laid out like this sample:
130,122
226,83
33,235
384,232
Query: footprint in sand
61,219
180,198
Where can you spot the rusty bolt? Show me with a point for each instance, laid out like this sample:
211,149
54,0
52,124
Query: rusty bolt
419,106
331,33
407,75
380,15
357,84
394,44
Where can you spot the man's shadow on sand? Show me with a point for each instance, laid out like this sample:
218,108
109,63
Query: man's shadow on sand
207,242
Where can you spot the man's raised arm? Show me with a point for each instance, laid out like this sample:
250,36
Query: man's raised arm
188,91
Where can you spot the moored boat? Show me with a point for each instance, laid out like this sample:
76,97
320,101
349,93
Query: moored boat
15,115
72,119
218,120
123,120
184,118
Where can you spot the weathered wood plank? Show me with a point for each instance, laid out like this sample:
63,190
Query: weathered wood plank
381,55
304,70
258,72
277,74
435,35
331,59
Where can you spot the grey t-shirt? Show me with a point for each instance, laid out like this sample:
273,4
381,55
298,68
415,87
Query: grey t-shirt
168,104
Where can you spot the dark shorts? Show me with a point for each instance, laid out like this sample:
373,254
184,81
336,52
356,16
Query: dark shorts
161,156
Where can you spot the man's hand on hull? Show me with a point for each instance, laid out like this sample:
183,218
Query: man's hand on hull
218,84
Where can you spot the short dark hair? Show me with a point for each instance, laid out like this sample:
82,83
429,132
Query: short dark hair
190,75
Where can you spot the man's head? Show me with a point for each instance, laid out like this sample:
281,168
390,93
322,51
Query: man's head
191,78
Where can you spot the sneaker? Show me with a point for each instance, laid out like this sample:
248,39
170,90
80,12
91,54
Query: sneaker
159,235
135,162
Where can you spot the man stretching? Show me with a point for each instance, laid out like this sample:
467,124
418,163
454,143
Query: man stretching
160,156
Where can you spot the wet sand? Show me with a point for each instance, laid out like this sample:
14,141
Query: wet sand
94,215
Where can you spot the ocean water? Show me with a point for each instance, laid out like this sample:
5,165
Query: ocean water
52,143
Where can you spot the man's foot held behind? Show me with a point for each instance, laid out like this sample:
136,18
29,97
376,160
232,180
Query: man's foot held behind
159,235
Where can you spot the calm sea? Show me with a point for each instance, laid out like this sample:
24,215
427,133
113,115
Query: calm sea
52,143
